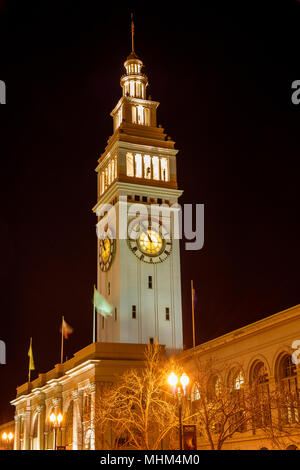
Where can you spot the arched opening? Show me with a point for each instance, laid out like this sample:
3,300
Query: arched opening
34,444
69,427
259,382
195,392
289,394
235,387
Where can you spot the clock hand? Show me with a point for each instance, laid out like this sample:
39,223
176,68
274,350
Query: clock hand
146,231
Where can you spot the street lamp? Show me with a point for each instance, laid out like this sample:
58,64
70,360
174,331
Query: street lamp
56,423
179,390
8,438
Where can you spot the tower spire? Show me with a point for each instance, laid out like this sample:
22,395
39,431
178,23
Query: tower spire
132,33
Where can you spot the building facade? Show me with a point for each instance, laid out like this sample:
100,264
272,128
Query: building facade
260,353
138,262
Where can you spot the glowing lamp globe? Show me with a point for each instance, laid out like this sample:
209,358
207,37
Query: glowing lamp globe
173,379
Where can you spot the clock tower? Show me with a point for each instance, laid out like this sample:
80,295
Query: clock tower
138,256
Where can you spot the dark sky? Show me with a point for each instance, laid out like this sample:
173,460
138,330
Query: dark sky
223,77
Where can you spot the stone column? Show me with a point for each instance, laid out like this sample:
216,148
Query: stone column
92,414
41,427
77,424
27,416
17,443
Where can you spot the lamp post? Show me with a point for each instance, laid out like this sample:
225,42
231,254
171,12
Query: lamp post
179,390
56,423
8,438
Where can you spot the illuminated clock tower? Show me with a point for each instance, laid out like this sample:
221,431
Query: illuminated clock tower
138,263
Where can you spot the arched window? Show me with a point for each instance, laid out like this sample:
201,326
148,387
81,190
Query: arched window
235,387
289,393
134,115
129,164
35,433
261,400
138,165
140,114
69,427
164,169
147,166
147,116
195,393
155,168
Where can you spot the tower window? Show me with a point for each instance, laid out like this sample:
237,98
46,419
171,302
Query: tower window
155,168
129,164
116,314
151,341
138,165
102,322
136,198
149,282
164,169
167,313
147,166
144,199
134,311
108,288
159,201
140,114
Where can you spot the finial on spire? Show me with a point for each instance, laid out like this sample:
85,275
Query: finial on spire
132,33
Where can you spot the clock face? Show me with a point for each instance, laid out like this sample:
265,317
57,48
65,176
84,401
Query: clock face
149,240
106,250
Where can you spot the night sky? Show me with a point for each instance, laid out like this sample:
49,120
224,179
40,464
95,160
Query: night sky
223,77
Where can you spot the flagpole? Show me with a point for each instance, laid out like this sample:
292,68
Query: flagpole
29,370
62,341
193,314
94,314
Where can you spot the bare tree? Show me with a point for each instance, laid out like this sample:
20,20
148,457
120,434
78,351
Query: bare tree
139,410
221,403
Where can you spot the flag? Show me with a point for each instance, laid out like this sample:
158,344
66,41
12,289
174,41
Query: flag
66,329
101,304
30,355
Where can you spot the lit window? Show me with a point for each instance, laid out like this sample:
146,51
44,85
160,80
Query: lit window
129,164
112,170
147,116
134,114
109,173
131,84
238,381
138,165
164,169
195,395
102,186
116,170
140,117
155,168
106,178
147,166
119,117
